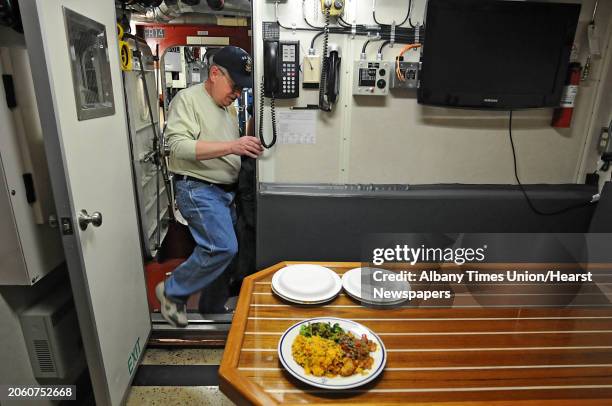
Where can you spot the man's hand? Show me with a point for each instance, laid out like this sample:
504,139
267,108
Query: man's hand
249,146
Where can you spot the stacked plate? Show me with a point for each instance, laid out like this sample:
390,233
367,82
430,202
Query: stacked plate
306,284
395,292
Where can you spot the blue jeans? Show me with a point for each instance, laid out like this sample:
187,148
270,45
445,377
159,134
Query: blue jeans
211,215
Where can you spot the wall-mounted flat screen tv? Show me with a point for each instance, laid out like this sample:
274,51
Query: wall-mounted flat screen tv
493,54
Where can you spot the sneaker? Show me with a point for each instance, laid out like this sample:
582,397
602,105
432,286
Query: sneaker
174,313
230,304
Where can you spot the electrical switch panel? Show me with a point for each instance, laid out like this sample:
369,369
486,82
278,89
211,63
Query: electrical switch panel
371,78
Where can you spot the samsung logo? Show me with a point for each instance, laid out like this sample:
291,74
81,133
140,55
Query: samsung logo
490,100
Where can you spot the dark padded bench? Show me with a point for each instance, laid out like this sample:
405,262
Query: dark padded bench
326,222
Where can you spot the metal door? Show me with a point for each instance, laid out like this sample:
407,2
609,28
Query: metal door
73,53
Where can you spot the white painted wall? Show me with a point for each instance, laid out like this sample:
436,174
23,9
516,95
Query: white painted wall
396,140
601,115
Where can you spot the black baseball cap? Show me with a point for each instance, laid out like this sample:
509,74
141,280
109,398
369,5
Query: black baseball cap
238,63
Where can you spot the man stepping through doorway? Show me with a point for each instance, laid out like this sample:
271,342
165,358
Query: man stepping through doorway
205,149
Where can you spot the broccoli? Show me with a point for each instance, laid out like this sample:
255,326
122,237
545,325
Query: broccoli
323,330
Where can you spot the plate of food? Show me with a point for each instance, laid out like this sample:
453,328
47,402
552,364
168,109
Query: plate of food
332,353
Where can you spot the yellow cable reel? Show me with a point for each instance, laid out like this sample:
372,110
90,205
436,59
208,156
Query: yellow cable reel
125,52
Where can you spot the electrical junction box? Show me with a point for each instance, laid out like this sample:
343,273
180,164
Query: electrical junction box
410,72
336,9
371,78
52,337
174,60
30,240
312,71
196,73
175,68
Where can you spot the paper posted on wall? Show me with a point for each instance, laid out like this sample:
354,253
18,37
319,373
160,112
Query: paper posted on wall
297,127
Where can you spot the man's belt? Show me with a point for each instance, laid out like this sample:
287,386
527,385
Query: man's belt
225,187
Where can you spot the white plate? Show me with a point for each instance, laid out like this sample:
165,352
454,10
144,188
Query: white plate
367,302
351,282
306,283
338,382
299,301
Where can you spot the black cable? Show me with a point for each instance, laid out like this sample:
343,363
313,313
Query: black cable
384,44
332,30
397,25
399,39
410,15
306,20
374,16
407,14
295,28
402,35
343,23
365,46
405,35
261,117
529,202
314,38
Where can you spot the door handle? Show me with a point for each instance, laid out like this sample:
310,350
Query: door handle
84,219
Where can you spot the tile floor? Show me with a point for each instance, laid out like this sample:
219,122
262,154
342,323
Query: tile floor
179,395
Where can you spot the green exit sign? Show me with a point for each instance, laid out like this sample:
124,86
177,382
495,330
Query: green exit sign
134,356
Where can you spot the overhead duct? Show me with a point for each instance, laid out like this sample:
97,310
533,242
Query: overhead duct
194,19
174,11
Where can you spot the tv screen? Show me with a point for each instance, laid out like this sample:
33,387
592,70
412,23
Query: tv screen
496,54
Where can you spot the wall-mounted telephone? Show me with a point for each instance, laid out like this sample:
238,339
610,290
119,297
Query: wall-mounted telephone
282,69
281,78
332,77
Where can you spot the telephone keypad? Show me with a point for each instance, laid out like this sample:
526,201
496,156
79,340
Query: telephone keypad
289,73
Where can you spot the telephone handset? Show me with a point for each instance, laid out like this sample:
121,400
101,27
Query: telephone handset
282,69
332,87
270,68
281,78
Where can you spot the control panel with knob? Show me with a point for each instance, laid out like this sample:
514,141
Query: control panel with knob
371,78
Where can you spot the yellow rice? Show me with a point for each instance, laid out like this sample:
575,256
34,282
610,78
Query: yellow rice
319,356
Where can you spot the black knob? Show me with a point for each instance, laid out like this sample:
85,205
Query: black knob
382,72
381,83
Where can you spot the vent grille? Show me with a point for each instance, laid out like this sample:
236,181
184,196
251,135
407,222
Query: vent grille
43,355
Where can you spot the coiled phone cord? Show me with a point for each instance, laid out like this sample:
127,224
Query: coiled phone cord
323,104
261,118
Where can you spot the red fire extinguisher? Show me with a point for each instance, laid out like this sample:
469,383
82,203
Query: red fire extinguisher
562,116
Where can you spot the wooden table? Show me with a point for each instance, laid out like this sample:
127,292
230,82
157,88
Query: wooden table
460,355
